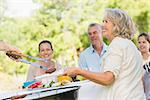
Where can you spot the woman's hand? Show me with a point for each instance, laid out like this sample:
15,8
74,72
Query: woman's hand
72,71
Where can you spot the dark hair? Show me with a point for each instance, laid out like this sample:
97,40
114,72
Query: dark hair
45,41
146,35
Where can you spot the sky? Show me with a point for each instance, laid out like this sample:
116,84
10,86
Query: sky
20,8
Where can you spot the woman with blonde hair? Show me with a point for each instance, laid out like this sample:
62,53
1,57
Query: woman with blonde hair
121,75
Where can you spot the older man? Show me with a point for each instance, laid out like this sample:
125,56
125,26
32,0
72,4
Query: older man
90,58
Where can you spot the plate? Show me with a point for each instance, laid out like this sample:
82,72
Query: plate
54,74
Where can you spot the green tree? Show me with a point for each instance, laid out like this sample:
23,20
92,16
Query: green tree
64,23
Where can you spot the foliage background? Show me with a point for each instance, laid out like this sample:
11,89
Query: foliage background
64,23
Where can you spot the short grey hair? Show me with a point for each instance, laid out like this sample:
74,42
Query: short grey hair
123,24
95,24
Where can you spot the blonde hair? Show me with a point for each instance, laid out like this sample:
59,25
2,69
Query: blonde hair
123,25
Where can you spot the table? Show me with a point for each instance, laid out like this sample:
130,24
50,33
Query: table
83,90
54,93
90,91
64,93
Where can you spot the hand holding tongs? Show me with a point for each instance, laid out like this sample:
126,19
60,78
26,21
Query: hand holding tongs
19,56
16,56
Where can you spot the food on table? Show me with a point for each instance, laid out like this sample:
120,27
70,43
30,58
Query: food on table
51,70
32,84
64,78
80,78
13,55
18,97
52,80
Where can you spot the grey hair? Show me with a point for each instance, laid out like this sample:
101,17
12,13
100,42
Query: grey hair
123,24
95,24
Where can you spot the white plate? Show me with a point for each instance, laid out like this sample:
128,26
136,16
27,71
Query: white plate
54,74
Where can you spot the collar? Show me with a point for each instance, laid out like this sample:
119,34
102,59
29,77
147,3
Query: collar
103,50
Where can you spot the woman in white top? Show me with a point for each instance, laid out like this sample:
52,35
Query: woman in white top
121,76
45,51
144,47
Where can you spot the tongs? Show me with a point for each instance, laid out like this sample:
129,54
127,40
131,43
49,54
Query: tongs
19,56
